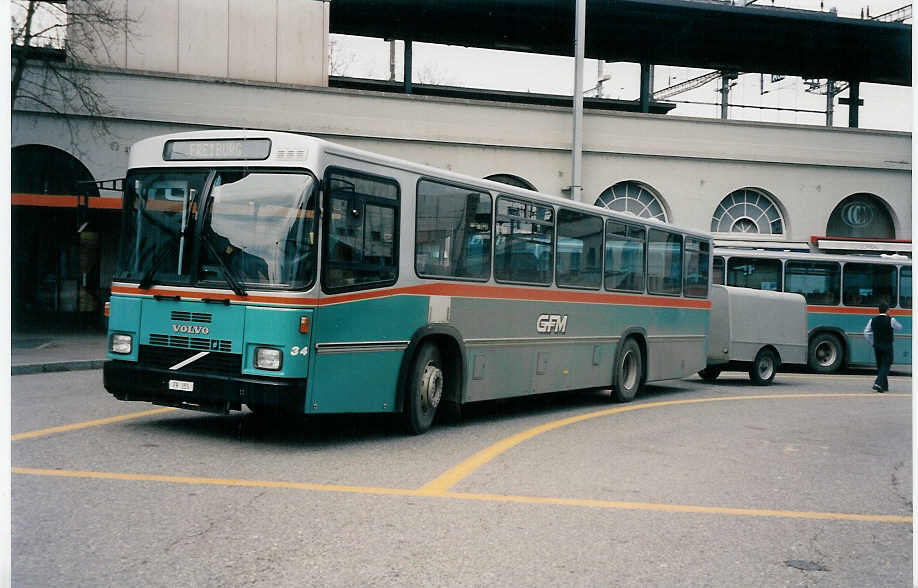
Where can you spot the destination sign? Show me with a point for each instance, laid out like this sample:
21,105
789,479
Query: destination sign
216,149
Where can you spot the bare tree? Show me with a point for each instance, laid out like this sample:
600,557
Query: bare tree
53,41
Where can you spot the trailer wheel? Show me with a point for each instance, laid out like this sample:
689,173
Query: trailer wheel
764,367
425,389
826,353
709,374
629,372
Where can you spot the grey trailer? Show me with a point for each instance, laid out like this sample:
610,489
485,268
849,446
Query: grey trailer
755,331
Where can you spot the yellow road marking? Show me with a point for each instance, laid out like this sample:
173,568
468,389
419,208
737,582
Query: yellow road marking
453,476
85,424
211,481
575,502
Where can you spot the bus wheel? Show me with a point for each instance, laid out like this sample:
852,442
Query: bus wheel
629,371
709,374
764,367
425,389
825,353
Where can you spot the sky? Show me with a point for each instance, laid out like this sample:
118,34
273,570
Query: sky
885,107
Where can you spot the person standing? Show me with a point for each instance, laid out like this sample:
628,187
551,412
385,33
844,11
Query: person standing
879,333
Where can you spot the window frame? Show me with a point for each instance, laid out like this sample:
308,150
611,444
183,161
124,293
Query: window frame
461,186
602,243
551,244
395,204
681,262
875,303
780,284
838,265
901,268
628,226
710,252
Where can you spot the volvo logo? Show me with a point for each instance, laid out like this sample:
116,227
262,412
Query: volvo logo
551,323
190,329
857,214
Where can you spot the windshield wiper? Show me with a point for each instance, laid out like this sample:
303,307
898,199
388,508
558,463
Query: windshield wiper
147,281
227,273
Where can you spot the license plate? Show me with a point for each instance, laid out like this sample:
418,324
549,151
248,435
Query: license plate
181,385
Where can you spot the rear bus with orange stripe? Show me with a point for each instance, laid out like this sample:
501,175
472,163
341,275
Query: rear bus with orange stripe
843,292
293,275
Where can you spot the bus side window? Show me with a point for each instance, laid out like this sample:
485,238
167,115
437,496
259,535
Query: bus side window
818,282
453,231
718,273
905,287
697,253
624,268
523,243
664,263
579,250
361,231
753,272
868,284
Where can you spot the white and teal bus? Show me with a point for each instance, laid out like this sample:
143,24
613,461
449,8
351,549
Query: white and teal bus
291,274
842,292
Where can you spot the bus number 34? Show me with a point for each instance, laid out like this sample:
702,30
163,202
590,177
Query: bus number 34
299,350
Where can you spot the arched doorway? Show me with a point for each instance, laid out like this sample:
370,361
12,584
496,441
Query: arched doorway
55,273
861,216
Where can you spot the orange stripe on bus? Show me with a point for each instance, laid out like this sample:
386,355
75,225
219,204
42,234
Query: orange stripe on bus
442,289
851,310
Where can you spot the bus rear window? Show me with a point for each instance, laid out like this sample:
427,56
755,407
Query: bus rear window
750,272
818,282
867,284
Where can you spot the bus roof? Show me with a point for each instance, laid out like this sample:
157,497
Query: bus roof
793,255
296,150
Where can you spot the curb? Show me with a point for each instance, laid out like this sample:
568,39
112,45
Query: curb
59,366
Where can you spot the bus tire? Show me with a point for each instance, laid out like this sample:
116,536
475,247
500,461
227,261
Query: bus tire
629,371
826,353
764,367
426,383
709,374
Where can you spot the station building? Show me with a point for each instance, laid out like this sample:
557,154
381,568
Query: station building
191,65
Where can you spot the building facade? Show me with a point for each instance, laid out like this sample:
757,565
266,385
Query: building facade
753,184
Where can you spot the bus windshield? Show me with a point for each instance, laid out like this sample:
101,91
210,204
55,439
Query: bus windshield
251,228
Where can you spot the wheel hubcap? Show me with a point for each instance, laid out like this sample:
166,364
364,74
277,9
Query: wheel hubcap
826,354
431,386
766,367
629,370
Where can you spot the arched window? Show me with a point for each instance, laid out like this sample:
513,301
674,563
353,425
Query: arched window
748,211
633,197
863,216
511,180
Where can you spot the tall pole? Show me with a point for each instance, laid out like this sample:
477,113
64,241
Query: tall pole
830,102
579,36
724,94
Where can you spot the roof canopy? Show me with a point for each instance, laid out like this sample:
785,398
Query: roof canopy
688,33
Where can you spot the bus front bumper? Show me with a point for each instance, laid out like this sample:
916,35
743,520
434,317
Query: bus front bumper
127,380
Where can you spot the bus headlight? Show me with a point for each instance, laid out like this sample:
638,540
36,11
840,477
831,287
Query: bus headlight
267,358
121,344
